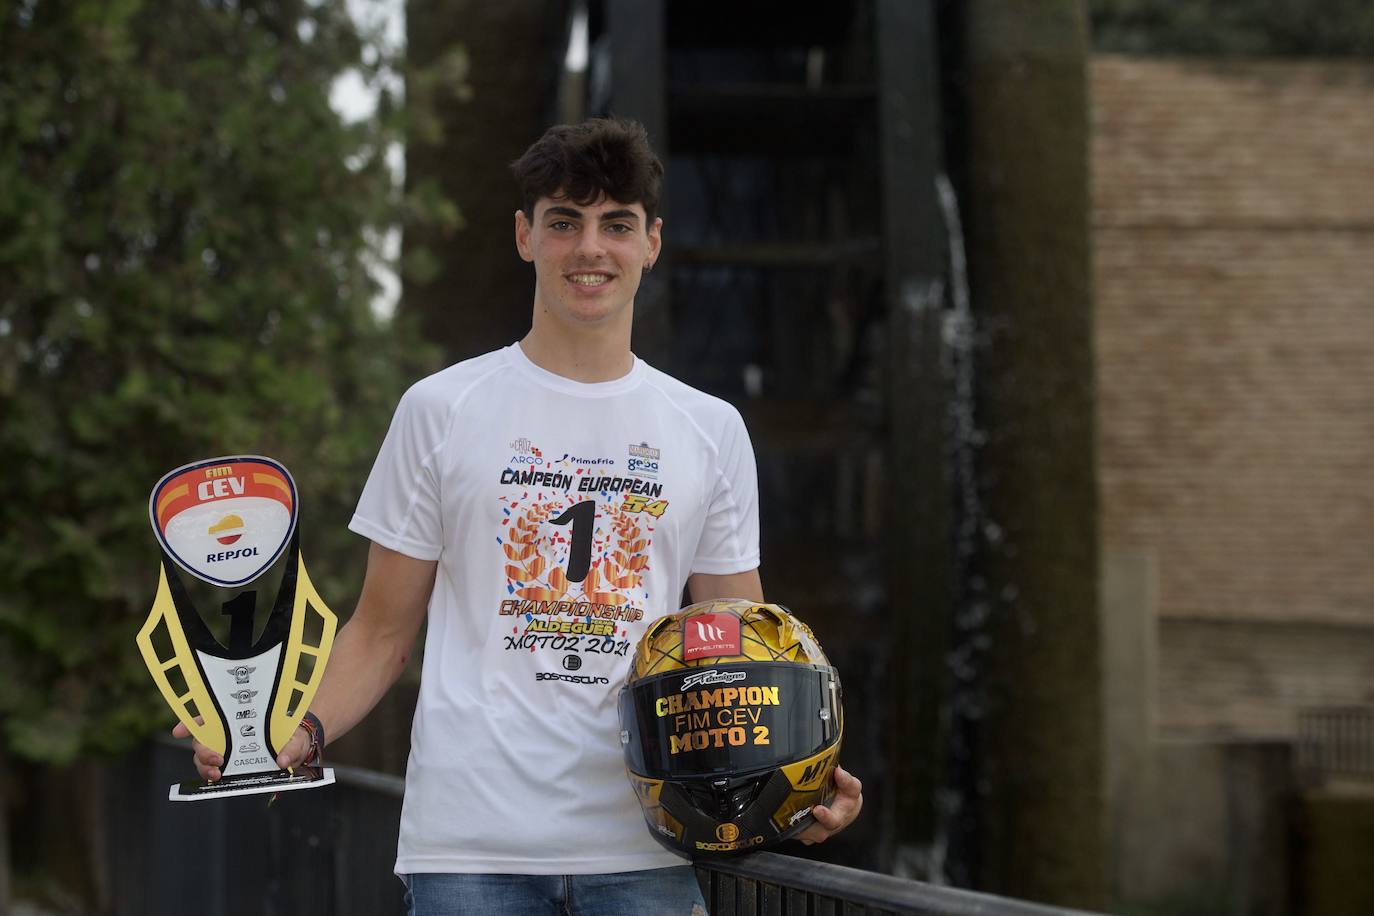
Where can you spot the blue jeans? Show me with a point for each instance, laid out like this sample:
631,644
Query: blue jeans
654,892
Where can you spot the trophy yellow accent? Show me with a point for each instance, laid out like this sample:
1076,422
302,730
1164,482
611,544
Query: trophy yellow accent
294,694
209,730
226,521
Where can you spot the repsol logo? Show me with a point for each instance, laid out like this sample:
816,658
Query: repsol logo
231,554
642,464
526,459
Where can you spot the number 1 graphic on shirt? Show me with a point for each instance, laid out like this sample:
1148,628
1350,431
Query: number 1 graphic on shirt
583,517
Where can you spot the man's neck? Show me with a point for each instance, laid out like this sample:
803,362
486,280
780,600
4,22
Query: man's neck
593,355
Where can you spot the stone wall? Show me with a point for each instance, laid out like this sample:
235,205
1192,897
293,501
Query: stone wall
1233,223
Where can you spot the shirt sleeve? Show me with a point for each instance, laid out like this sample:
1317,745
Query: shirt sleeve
730,536
400,508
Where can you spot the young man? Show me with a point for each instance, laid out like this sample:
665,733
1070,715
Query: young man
543,504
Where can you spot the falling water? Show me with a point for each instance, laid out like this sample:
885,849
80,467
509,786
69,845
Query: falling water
948,858
953,848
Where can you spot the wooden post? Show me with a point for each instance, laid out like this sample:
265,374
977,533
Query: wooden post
917,498
1027,131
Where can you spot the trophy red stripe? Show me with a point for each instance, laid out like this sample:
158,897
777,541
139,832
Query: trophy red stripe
173,501
207,485
269,488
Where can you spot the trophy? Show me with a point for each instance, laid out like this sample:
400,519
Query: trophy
226,521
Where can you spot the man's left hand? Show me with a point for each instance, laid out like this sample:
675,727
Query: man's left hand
830,820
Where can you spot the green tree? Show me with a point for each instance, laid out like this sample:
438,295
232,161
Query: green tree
184,231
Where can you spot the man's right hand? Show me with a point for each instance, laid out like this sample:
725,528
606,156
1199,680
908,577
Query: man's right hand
208,762
369,653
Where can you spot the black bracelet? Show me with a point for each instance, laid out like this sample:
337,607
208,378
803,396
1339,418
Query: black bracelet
311,723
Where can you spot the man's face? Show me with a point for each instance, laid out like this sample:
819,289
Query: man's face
587,259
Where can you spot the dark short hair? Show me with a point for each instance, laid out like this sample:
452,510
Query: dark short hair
609,156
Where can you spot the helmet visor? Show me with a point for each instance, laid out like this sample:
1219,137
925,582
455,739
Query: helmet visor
732,718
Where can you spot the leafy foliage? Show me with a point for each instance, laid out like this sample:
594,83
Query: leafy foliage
1227,27
184,228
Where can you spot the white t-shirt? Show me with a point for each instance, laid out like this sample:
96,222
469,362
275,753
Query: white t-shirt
565,517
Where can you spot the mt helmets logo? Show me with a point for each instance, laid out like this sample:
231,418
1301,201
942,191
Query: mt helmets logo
225,520
709,635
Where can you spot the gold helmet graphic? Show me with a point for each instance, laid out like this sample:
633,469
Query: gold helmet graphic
731,724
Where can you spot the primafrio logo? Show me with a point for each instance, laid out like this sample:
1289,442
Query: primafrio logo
707,635
225,520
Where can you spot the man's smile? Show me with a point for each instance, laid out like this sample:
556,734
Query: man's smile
590,278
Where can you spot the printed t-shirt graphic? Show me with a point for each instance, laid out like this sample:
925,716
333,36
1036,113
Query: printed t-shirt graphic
576,534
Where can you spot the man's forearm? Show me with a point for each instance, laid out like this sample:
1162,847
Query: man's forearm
372,649
366,660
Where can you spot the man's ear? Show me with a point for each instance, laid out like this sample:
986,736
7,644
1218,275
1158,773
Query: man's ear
655,238
522,236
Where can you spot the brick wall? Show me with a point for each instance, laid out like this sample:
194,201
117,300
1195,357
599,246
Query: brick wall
1234,269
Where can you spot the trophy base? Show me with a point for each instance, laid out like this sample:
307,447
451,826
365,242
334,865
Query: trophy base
252,784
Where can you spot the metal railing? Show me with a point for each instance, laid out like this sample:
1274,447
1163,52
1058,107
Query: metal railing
328,851
331,851
768,884
1336,741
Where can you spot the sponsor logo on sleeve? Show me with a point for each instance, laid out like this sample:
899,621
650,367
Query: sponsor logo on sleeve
643,459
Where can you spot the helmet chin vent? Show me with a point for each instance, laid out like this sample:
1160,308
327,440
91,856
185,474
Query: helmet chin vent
727,799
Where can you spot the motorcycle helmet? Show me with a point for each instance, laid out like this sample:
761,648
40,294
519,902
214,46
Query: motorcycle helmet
731,724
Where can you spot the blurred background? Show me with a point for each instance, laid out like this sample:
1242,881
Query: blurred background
1051,321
